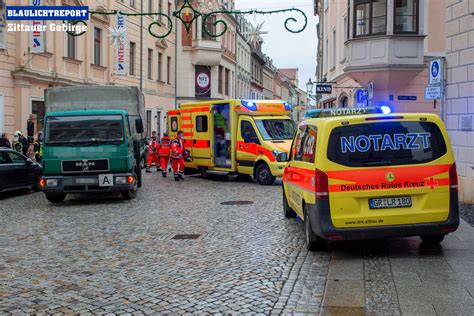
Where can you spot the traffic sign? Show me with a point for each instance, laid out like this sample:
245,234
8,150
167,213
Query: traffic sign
436,70
432,92
361,96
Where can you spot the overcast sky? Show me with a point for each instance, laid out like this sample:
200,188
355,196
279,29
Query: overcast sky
287,50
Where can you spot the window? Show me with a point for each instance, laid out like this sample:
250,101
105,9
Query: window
210,27
334,45
148,123
170,14
220,79
406,16
304,146
202,124
70,46
3,43
150,63
227,81
168,73
1,114
132,58
160,66
160,9
132,3
247,132
4,158
387,143
97,45
16,157
370,17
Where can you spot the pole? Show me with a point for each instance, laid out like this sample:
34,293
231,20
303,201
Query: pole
176,58
141,45
443,84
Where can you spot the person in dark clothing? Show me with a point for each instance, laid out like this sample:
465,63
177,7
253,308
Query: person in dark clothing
4,142
38,148
20,143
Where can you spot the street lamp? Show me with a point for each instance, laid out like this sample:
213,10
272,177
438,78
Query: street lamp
309,86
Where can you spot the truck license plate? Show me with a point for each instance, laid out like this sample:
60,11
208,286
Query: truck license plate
106,180
395,202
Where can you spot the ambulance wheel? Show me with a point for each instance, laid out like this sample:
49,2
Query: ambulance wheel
263,175
56,198
313,242
287,210
432,239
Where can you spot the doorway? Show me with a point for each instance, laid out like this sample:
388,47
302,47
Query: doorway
37,114
222,140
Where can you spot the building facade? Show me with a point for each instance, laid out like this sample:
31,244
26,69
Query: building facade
85,60
384,42
244,59
459,116
206,67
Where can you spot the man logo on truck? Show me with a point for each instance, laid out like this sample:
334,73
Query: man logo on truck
85,165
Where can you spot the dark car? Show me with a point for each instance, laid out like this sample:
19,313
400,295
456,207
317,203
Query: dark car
18,171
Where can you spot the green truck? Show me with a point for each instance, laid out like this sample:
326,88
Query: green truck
93,141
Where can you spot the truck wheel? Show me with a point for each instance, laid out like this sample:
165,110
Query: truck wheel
263,175
313,242
56,198
132,193
432,239
139,177
287,210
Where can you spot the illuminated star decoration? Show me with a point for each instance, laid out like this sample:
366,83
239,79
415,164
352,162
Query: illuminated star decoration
255,34
116,34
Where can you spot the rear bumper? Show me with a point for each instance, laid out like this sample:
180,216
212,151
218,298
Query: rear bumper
322,226
70,184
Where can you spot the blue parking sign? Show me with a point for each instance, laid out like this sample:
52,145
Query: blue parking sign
361,97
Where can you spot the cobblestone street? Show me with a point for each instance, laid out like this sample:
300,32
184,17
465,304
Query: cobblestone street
105,255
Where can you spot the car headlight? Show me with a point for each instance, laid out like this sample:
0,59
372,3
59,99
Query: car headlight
52,182
121,180
279,155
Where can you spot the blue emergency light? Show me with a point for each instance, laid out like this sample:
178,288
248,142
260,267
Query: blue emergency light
287,106
250,105
320,113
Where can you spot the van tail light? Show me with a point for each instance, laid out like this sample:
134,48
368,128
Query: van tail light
322,185
453,178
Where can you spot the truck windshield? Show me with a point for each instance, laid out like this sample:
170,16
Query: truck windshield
84,130
275,129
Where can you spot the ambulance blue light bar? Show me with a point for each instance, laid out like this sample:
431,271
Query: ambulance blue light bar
320,113
287,106
250,105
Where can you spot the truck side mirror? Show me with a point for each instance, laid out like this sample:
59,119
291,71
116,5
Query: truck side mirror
139,125
30,128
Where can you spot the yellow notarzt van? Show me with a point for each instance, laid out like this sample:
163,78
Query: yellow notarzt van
352,176
236,136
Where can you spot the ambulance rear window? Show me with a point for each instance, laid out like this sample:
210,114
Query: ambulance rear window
386,143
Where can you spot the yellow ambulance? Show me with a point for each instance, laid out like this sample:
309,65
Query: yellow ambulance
250,137
352,175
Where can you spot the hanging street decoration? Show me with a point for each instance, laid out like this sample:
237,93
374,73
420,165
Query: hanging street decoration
187,14
255,34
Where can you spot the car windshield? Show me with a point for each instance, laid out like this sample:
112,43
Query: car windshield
84,130
275,129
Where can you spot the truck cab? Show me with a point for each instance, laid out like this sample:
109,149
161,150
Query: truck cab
92,150
236,136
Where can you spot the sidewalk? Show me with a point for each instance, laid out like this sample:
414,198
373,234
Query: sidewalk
467,213
402,276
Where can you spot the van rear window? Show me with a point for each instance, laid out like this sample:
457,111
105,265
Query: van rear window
386,143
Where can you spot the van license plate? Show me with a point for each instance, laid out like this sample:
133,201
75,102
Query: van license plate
395,202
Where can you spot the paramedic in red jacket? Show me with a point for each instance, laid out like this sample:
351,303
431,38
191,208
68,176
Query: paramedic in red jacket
153,148
177,157
164,153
